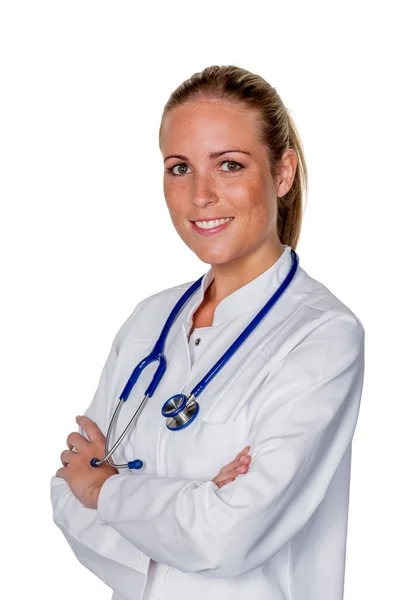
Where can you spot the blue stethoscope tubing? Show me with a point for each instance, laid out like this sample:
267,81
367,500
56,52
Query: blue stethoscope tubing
180,410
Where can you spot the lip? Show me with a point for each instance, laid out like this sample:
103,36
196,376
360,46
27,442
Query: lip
213,230
211,219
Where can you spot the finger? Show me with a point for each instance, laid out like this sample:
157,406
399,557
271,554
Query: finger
244,460
91,428
243,452
230,474
241,459
66,457
61,472
76,440
237,468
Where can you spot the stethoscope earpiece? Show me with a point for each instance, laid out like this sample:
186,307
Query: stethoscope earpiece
135,464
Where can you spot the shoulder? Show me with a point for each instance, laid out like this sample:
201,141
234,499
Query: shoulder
322,320
313,293
150,314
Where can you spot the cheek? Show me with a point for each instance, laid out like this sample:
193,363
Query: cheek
174,201
254,208
259,214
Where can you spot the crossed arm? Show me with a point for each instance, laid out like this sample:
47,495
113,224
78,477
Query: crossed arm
297,442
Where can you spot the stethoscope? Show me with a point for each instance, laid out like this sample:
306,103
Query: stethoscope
180,410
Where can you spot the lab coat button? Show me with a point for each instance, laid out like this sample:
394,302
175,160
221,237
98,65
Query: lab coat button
197,342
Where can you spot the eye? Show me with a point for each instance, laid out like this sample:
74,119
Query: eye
232,162
171,169
180,165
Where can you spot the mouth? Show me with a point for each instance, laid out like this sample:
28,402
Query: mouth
211,226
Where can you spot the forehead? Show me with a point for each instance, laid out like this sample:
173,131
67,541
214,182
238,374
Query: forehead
210,120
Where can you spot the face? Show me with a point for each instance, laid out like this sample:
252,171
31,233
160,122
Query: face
215,167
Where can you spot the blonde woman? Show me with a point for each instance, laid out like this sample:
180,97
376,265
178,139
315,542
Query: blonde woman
250,500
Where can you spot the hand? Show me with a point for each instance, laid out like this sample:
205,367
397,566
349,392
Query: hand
237,467
84,480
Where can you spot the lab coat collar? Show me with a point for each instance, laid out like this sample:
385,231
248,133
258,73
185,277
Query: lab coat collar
249,297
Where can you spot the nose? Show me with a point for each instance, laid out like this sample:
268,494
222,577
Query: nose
204,192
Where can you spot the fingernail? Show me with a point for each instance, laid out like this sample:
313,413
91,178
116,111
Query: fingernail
241,459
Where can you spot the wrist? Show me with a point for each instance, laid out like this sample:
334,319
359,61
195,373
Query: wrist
99,487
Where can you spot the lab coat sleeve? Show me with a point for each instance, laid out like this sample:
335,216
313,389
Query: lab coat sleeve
97,546
309,409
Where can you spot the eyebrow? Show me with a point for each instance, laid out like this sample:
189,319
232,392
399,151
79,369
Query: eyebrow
211,155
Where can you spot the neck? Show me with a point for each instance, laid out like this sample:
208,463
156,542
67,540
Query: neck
231,276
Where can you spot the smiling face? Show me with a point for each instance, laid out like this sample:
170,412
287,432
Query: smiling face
203,181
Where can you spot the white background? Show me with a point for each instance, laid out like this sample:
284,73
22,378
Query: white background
85,233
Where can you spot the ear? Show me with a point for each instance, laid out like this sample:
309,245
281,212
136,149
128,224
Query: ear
287,172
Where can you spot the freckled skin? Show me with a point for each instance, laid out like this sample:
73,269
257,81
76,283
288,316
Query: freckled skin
206,188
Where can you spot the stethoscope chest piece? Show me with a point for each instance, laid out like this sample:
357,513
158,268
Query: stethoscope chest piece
179,411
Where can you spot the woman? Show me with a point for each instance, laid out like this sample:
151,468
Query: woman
291,392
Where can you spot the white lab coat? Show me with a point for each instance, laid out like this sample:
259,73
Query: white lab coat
292,392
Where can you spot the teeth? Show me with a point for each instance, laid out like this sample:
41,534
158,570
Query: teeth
211,224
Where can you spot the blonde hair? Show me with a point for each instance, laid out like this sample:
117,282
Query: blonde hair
277,130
